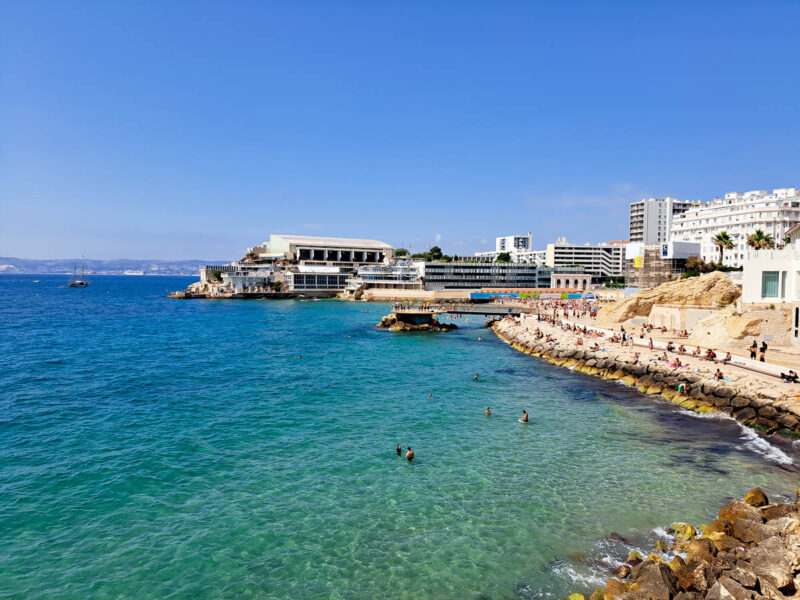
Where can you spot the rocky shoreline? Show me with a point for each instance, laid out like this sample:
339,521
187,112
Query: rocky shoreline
749,401
392,323
750,551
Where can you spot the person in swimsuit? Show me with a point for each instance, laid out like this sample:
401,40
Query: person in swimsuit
410,454
524,416
399,450
476,376
488,411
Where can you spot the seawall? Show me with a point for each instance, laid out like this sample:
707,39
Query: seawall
748,399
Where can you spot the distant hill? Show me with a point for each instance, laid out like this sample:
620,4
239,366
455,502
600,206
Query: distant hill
11,265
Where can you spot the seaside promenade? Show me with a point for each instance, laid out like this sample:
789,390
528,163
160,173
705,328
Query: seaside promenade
750,391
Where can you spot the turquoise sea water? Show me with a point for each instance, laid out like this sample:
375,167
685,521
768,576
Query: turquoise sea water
154,448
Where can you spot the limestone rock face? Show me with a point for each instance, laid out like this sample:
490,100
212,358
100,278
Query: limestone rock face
699,291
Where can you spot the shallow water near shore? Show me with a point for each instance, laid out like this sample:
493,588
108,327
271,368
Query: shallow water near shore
155,448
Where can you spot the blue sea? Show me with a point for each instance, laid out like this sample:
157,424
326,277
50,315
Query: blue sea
165,449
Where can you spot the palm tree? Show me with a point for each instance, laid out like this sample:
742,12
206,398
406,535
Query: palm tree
722,241
760,240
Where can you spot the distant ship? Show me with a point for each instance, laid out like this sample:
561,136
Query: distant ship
133,273
75,282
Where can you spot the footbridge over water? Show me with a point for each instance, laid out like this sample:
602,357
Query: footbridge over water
406,312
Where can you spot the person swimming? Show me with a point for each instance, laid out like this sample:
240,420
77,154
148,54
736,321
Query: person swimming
476,377
410,454
488,411
430,396
524,418
399,449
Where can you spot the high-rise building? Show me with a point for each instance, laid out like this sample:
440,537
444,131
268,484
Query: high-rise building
651,219
739,215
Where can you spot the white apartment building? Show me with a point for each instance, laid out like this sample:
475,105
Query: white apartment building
773,277
513,242
651,219
518,248
739,214
602,260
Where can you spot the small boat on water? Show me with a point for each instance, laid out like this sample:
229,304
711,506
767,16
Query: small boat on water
75,282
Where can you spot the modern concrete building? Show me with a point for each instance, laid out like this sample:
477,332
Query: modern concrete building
739,214
323,251
518,247
513,242
475,275
602,260
300,264
651,219
773,277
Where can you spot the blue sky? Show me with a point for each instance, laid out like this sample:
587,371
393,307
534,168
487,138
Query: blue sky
194,129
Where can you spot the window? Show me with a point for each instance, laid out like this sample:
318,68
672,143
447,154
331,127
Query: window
769,284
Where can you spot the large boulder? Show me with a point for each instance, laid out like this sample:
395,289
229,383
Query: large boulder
756,497
656,580
739,510
770,562
713,289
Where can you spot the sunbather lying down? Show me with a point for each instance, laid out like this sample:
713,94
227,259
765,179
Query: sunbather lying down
790,377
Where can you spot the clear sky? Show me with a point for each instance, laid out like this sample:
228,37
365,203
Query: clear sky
182,130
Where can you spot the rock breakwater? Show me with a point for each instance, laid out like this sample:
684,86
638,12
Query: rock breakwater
392,323
748,399
749,552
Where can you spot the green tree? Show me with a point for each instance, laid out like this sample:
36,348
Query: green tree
435,253
503,257
401,252
760,240
276,285
216,274
722,241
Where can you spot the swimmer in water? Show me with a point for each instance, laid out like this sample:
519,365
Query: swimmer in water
430,396
476,376
410,454
488,411
399,450
524,416
298,356
480,339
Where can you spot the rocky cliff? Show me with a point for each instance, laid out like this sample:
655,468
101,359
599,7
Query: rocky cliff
707,290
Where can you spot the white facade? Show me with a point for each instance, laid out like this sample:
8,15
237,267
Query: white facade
533,257
513,242
602,260
739,214
651,219
773,277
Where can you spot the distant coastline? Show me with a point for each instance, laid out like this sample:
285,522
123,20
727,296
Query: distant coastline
123,266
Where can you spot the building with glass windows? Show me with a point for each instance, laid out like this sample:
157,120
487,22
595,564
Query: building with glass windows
773,277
